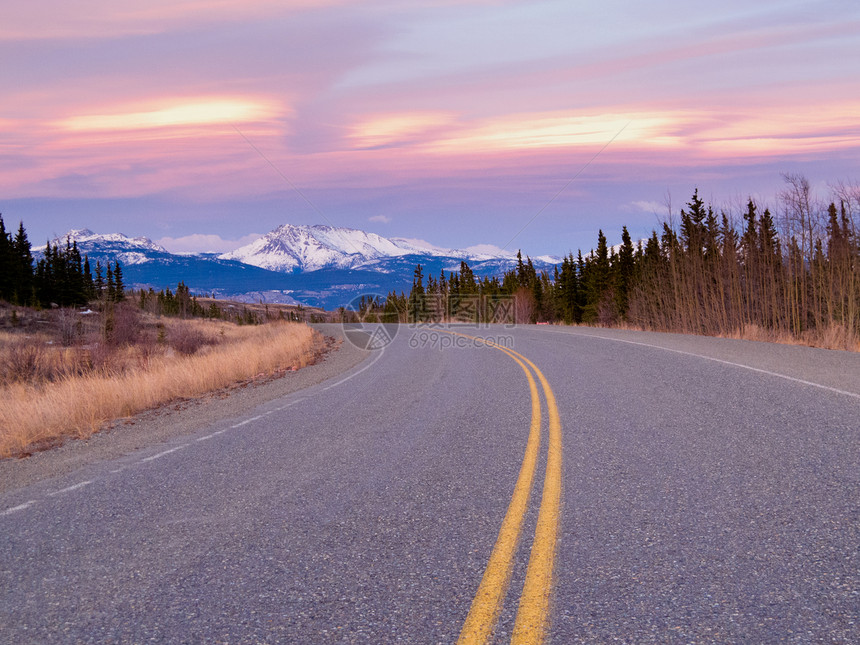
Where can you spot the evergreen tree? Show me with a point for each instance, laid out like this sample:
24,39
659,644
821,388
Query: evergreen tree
596,277
393,310
99,281
119,286
75,269
749,241
183,300
23,267
417,305
443,283
111,285
693,225
6,264
522,279
59,277
624,274
567,288
89,286
536,288
467,285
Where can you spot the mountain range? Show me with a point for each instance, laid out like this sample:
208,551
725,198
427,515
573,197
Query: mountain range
320,266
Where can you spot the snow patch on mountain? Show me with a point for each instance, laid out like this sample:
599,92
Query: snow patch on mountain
310,248
86,236
421,247
305,248
128,250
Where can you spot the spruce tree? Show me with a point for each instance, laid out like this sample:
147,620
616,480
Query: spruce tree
77,283
417,306
468,286
89,286
119,285
23,258
522,277
567,287
111,285
99,281
624,275
597,279
6,263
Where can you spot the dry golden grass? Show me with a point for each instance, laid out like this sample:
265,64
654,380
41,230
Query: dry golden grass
833,337
146,376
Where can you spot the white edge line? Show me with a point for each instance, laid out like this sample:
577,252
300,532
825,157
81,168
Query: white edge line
71,488
366,367
20,507
715,360
211,435
256,418
68,489
241,423
161,454
285,406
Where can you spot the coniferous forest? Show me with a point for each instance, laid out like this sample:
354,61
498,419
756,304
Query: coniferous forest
61,276
791,275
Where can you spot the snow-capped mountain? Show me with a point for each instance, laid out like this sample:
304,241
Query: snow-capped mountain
309,248
315,265
291,248
116,246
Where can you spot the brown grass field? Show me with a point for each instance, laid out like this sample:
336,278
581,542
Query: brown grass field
56,383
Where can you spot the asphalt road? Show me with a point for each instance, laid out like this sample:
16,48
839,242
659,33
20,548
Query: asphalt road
710,492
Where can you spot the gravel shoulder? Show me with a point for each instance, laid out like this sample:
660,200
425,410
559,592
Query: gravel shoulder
179,418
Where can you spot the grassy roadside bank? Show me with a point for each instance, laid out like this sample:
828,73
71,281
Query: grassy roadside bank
51,391
834,337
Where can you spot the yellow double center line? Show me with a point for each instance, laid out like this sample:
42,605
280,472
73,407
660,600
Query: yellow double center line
532,618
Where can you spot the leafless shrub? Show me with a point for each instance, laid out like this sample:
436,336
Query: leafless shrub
70,326
187,340
524,306
147,349
23,362
121,324
100,357
606,315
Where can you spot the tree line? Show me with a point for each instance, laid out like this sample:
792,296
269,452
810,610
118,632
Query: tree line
61,277
64,277
703,271
182,304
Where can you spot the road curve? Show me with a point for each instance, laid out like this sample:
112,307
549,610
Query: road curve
708,493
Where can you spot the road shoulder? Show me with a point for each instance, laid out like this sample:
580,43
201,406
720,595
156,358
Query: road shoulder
179,418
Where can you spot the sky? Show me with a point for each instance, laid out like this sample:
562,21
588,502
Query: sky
203,124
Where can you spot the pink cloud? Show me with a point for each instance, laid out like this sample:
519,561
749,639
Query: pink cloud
157,122
111,19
